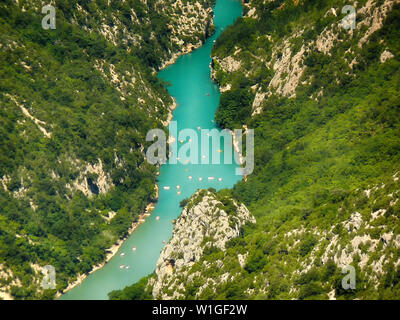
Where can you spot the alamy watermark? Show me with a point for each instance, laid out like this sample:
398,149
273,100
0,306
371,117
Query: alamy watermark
49,279
349,280
191,152
49,21
349,21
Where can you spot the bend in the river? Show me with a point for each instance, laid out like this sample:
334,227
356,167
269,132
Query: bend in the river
197,98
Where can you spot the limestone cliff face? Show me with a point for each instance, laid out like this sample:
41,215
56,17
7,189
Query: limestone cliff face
366,237
184,24
78,102
191,23
181,24
203,224
285,61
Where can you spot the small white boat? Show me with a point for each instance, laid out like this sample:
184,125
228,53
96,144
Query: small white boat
219,179
157,218
178,193
198,128
200,179
127,267
164,242
190,177
121,266
211,178
167,188
134,248
178,187
122,254
203,156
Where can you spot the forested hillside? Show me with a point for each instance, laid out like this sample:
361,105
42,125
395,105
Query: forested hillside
76,104
325,106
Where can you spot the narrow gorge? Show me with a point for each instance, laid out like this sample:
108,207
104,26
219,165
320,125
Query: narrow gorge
85,212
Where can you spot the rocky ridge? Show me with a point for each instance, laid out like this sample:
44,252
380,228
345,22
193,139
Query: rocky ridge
364,239
122,23
59,102
286,61
203,225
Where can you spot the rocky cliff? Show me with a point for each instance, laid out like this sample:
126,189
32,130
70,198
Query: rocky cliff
77,102
205,224
282,61
172,27
206,257
323,101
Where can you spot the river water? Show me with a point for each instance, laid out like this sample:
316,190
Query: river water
197,98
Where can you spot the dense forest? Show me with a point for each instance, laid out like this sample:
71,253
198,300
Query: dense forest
325,106
77,102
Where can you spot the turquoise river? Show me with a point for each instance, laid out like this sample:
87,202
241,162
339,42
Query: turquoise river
197,98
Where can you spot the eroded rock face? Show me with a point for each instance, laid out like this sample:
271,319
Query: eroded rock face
287,59
188,22
50,166
205,224
101,185
386,55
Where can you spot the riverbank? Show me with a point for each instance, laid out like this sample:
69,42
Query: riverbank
170,116
188,49
197,98
113,250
